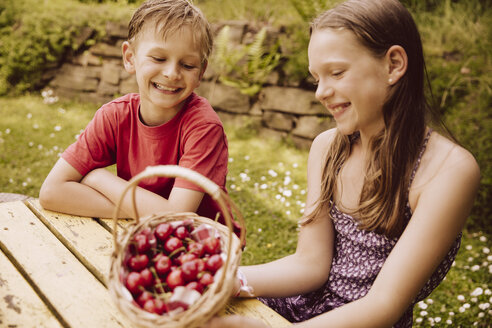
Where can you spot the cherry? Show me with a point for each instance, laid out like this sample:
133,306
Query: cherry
142,243
138,262
196,248
172,244
181,232
134,283
189,270
160,306
163,265
196,286
150,236
162,231
188,223
150,306
206,279
175,279
175,305
200,264
186,257
147,277
214,263
178,259
211,245
144,297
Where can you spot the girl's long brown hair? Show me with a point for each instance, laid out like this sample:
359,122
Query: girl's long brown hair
378,25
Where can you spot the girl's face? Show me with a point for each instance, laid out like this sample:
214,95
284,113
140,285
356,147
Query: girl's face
352,83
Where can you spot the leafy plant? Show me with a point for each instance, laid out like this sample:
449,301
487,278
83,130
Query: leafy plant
308,9
35,37
296,43
245,67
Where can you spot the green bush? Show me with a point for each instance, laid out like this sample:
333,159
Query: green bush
246,67
36,35
458,47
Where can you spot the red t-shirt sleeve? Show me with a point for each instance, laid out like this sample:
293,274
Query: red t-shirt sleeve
205,151
95,147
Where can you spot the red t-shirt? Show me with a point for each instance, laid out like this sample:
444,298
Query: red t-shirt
194,139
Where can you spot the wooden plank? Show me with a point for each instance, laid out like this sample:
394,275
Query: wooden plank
251,307
77,297
73,230
84,236
20,306
109,224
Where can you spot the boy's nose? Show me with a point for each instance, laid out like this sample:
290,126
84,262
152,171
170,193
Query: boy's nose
171,71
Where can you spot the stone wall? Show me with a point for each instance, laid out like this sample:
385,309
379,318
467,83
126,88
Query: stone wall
280,109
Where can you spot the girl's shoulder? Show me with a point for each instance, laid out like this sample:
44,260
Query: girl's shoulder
443,159
444,154
324,139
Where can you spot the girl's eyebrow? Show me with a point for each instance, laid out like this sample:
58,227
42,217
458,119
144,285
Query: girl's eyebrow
334,62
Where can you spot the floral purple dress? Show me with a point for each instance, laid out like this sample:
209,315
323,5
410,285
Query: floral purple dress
358,258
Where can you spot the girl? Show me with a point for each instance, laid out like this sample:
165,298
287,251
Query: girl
387,196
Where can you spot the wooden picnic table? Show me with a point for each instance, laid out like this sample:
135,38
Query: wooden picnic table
53,270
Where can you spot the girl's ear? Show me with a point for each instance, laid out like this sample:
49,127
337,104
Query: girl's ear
397,60
128,57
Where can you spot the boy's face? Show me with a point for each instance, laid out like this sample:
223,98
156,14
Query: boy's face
167,71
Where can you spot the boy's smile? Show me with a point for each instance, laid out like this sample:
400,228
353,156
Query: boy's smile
167,71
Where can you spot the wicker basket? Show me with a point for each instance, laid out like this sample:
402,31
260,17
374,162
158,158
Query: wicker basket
217,294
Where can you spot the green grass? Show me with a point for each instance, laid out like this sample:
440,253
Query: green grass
267,180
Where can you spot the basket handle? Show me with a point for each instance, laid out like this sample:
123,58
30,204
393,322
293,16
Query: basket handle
201,181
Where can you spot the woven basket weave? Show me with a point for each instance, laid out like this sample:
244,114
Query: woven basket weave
218,293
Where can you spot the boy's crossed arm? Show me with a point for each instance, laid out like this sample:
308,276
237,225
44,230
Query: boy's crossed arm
96,194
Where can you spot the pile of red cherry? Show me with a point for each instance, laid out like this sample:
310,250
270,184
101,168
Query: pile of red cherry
167,268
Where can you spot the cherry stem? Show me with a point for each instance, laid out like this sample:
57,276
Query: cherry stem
177,251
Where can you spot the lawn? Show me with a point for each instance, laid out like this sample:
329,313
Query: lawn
269,190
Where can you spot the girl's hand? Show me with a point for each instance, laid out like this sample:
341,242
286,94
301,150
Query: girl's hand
234,321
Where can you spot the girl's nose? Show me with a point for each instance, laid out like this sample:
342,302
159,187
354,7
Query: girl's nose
324,91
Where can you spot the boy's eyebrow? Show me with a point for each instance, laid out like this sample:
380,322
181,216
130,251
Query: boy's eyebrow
195,55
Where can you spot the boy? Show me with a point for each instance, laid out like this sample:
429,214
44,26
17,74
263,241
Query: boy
168,44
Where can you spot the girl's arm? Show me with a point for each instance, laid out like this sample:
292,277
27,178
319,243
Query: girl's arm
308,268
445,198
444,202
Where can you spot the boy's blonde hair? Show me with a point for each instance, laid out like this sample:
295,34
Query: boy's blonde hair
169,16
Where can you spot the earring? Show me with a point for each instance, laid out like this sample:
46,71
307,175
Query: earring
390,80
